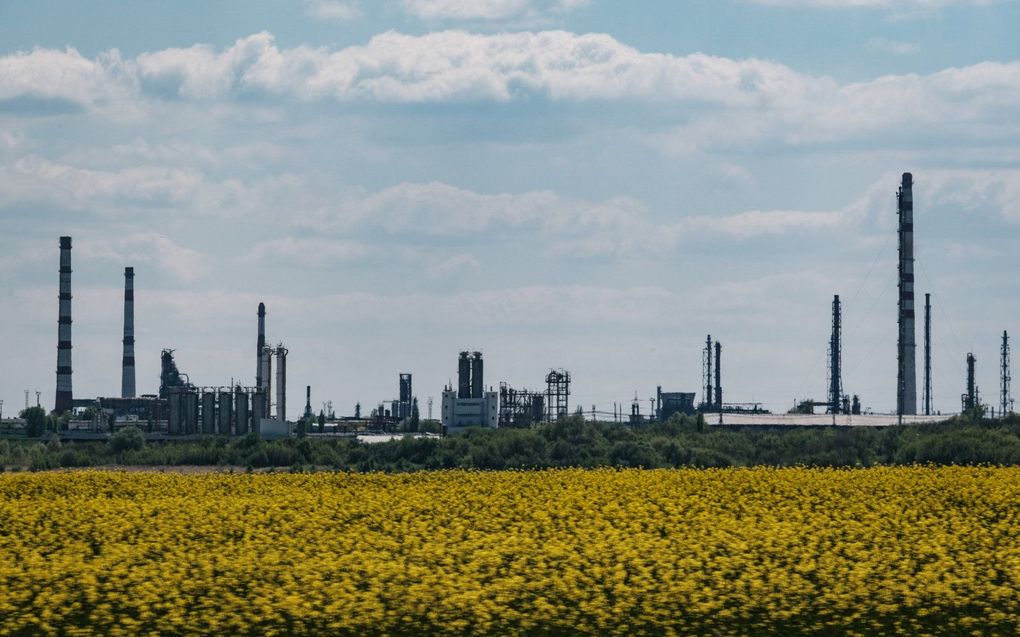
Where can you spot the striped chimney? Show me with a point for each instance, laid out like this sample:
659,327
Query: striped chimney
127,376
62,402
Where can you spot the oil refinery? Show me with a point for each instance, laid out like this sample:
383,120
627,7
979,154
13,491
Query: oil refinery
259,405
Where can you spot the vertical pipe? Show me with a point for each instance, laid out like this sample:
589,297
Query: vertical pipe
718,375
906,377
64,397
927,354
281,383
127,375
266,388
260,345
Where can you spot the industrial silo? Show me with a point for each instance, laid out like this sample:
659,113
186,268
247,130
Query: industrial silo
176,415
190,408
258,410
208,413
224,413
240,412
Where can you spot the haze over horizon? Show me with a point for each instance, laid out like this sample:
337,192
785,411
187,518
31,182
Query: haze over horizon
576,184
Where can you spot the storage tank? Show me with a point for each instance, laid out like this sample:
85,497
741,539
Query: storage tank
208,413
224,413
258,410
240,413
190,407
176,416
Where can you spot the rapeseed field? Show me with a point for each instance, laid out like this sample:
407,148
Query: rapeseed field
907,551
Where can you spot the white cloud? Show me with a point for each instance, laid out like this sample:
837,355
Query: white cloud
883,45
33,178
338,10
51,74
725,103
486,10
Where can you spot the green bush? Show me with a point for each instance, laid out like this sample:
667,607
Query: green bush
127,439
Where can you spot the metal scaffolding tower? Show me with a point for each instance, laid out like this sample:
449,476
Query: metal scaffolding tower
1006,401
557,394
707,367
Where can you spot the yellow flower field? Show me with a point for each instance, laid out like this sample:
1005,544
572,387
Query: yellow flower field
757,551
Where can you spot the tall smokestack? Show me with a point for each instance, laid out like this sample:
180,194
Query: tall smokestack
62,402
261,345
127,373
718,375
906,346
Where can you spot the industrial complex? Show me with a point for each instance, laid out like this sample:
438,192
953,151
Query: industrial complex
181,408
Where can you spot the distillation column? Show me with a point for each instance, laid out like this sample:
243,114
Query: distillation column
281,382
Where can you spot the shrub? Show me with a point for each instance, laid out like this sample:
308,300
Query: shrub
127,439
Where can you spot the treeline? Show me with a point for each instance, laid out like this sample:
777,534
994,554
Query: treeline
571,442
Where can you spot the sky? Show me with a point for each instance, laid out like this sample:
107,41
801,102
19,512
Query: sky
577,184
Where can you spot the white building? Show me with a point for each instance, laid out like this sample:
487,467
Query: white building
459,413
469,405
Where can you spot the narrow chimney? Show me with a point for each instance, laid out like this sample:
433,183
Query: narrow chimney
260,345
127,376
906,346
63,400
